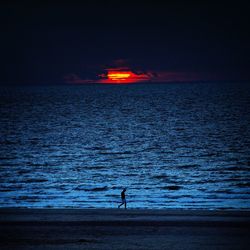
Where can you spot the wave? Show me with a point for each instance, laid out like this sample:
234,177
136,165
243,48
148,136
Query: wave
247,184
208,155
5,190
116,153
2,158
31,198
33,164
8,142
96,148
35,180
179,129
96,189
24,171
130,174
171,187
235,168
162,176
188,166
93,167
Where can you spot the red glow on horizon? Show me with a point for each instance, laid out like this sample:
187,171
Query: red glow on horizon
120,76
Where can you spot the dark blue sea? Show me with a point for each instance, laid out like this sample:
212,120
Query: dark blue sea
183,145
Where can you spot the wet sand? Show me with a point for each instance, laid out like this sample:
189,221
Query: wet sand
123,229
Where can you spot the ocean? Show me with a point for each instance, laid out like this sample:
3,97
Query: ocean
178,145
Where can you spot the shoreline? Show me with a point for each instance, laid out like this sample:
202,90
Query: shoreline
123,229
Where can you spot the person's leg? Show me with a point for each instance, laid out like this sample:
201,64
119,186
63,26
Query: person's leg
120,204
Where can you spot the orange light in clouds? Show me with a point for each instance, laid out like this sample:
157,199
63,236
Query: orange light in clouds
119,76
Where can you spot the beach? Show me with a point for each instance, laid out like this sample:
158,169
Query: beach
123,229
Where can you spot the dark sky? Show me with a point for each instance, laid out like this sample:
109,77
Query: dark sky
44,43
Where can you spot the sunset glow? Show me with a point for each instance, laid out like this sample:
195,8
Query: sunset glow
121,76
118,76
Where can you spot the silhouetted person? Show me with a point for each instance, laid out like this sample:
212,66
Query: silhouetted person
123,196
